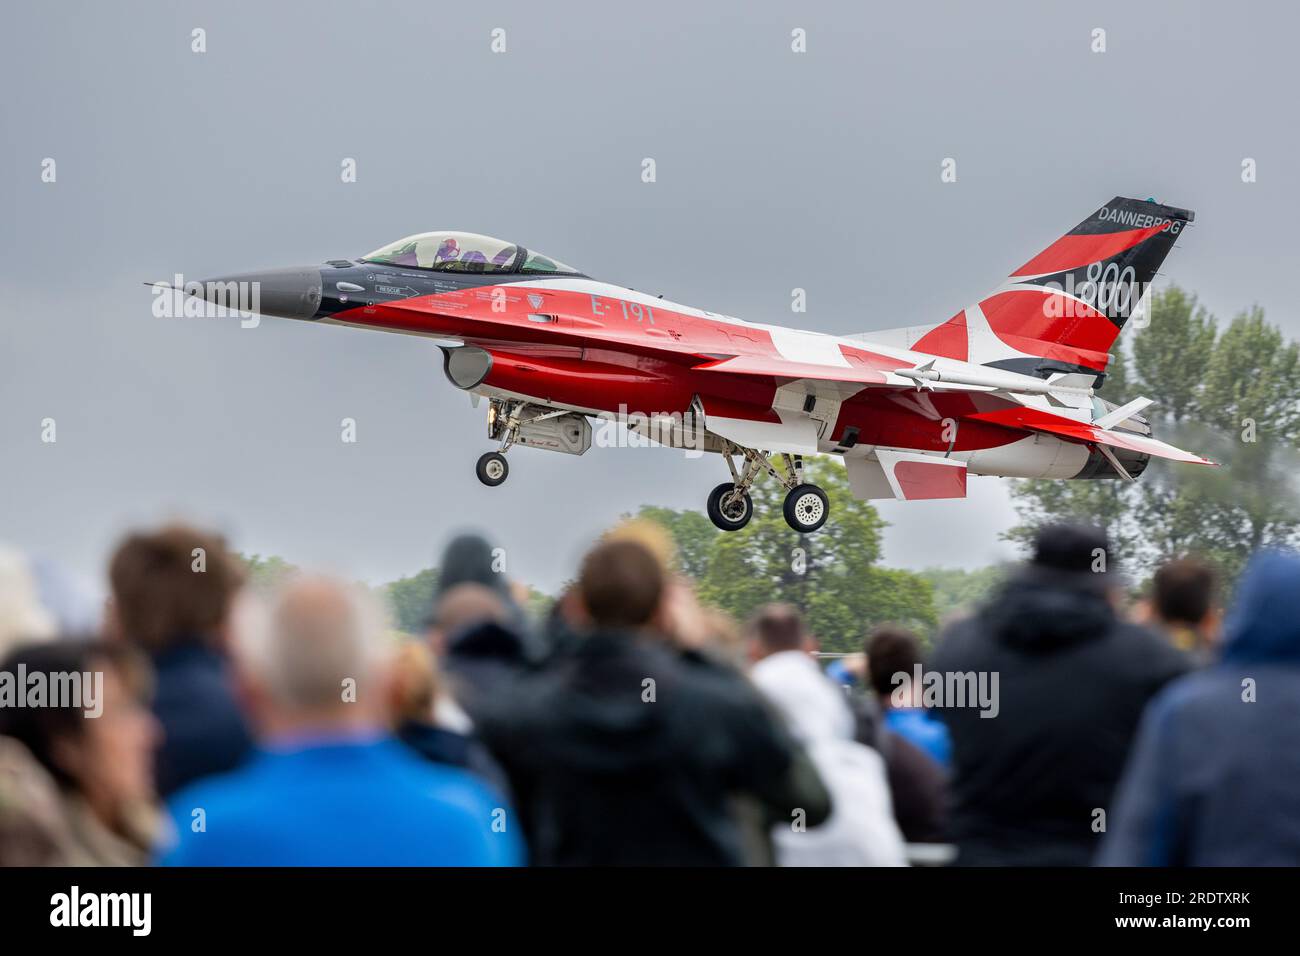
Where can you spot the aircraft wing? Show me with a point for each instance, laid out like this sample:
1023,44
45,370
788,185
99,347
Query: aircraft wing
861,370
860,373
786,426
751,426
1037,420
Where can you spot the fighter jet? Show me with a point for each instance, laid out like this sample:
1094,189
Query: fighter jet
1004,387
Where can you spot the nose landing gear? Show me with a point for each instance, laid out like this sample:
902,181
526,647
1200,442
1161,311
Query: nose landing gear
730,507
492,469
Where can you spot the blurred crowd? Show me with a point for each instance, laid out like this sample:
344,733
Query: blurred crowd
634,726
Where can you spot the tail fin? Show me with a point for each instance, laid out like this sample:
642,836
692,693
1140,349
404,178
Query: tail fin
1062,310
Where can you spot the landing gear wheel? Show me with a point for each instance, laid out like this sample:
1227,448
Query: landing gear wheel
492,469
806,508
735,513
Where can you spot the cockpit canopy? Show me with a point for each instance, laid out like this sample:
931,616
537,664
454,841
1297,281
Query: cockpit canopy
465,252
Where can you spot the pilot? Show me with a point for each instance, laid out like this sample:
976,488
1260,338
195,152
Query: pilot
449,251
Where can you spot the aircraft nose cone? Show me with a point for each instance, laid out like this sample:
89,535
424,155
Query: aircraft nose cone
292,293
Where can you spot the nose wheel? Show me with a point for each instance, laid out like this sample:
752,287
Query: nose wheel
492,469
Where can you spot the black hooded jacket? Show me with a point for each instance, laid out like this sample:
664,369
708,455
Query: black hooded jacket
1073,679
482,661
609,769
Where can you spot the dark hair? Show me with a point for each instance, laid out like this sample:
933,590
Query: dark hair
1183,591
158,595
1071,548
890,650
621,584
779,627
39,729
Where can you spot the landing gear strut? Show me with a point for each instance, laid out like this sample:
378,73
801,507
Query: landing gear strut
503,422
730,507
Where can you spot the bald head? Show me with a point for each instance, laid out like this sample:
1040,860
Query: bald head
319,638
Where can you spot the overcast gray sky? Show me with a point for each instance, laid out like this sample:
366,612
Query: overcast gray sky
775,170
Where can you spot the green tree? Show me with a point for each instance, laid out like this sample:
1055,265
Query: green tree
1172,352
842,610
1234,397
692,532
266,574
958,591
538,605
1249,421
832,575
411,599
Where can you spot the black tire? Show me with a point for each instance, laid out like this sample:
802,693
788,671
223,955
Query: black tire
806,508
735,520
492,469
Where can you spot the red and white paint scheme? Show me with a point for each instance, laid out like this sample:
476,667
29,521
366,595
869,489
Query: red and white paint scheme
1004,387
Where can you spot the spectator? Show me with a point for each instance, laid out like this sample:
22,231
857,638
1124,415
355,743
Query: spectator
721,637
1183,605
918,786
1214,779
473,634
626,750
32,828
891,651
101,766
847,670
915,746
416,715
329,786
471,559
860,830
1072,680
172,591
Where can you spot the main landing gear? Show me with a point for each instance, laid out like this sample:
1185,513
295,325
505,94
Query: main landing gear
730,506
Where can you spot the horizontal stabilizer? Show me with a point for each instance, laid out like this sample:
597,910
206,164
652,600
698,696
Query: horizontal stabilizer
1123,413
1033,419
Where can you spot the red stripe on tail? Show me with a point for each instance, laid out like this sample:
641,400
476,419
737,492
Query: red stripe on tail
1071,252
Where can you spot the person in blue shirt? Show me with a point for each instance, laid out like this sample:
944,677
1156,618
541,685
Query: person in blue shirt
328,785
894,650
